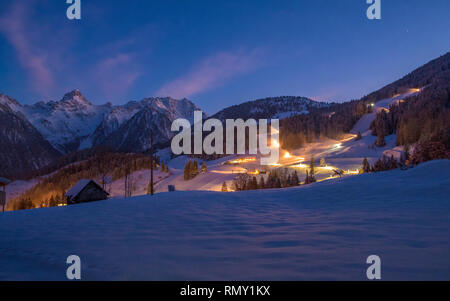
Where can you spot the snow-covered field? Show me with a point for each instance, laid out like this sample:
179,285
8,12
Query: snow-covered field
321,231
139,180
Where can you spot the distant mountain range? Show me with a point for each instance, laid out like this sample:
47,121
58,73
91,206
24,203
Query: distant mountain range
32,136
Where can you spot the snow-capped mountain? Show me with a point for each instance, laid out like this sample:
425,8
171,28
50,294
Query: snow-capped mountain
9,104
271,107
23,147
74,123
156,114
33,136
66,122
111,122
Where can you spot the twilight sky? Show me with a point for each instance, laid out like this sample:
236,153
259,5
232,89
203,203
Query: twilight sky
215,52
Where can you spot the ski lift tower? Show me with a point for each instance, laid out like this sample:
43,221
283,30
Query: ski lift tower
3,183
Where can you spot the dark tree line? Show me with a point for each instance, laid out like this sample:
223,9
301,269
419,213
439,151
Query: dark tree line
329,122
423,120
276,179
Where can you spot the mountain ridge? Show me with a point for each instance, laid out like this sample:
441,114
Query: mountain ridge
73,123
279,107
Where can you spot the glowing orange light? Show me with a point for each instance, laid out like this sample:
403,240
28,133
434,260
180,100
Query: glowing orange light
256,172
242,160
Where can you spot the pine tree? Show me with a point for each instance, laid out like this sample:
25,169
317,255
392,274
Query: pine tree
254,183
322,162
294,179
393,163
261,184
204,167
307,178
380,140
312,171
224,187
382,164
365,166
236,185
194,169
187,170
278,183
246,184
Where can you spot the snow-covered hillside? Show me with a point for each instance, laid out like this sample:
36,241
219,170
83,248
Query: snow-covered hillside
271,107
139,183
363,125
321,231
355,151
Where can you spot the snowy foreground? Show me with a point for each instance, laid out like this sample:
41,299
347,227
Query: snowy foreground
323,231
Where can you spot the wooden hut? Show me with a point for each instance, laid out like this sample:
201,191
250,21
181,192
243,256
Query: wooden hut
86,191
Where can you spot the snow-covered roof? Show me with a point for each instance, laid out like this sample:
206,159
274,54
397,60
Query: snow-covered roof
78,188
4,181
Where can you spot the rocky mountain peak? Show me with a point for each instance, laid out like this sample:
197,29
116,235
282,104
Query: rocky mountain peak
11,103
75,98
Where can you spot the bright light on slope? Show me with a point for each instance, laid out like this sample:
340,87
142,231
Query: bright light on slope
328,167
301,165
275,144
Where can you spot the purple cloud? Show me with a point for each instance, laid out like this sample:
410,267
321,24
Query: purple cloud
117,74
13,26
210,73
